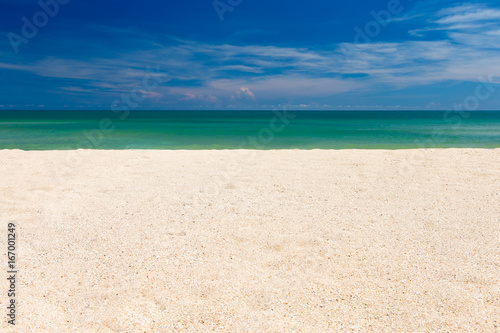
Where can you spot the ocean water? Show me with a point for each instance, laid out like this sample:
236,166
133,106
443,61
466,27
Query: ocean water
61,130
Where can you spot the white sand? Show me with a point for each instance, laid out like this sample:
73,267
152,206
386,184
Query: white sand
266,241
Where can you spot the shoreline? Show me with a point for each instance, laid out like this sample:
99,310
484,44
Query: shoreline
256,150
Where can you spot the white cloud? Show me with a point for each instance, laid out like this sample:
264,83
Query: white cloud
244,92
218,73
283,86
474,19
467,13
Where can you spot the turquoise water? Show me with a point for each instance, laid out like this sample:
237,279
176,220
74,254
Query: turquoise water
56,130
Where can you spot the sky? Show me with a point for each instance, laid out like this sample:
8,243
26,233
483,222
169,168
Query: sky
249,55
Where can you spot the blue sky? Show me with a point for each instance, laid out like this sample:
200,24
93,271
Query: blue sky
336,55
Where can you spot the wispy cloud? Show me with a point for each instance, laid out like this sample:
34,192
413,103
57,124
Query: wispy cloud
472,18
218,73
467,13
244,92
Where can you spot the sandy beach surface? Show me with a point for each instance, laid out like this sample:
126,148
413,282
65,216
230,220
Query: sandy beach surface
253,241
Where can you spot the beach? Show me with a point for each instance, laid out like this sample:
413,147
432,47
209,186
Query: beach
254,240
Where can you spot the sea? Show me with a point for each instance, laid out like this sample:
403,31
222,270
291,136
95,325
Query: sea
278,129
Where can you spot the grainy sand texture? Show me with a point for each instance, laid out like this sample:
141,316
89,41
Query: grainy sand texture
254,241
